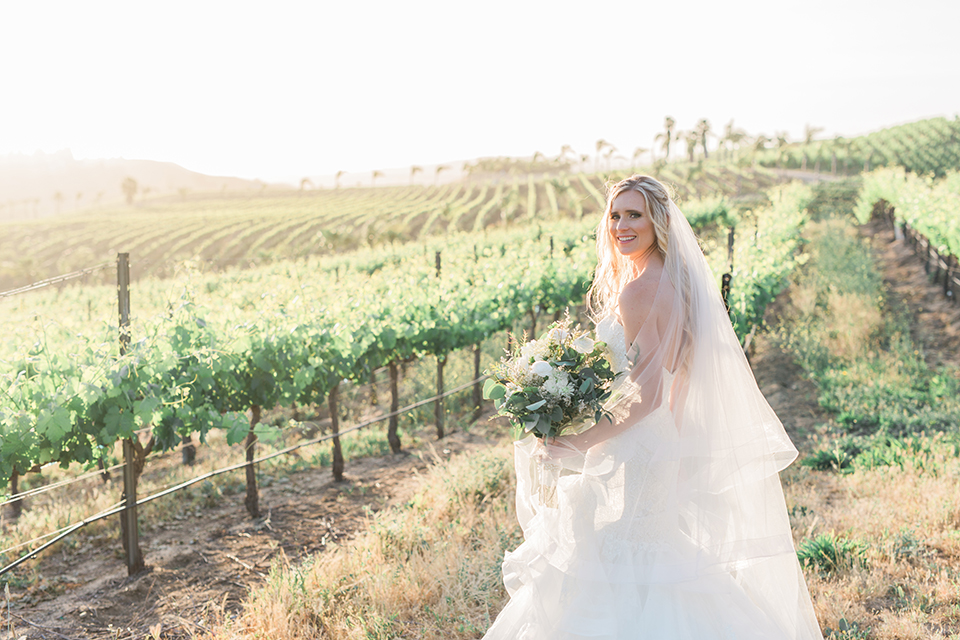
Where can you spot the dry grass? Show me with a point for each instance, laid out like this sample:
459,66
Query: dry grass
429,568
906,519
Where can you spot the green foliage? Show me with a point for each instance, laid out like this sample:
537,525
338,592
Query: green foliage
922,454
929,146
257,229
834,197
208,346
521,392
766,253
857,348
828,553
847,631
929,206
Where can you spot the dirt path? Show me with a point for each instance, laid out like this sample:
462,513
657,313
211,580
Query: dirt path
211,559
937,318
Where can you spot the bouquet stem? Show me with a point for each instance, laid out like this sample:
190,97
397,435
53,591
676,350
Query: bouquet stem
549,473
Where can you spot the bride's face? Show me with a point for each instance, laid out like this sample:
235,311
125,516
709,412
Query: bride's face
631,229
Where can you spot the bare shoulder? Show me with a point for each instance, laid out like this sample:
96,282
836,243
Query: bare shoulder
637,300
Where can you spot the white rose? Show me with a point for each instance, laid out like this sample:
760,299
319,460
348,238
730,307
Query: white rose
541,368
583,344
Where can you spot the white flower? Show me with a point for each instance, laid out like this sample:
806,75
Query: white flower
558,385
558,335
541,368
583,344
536,349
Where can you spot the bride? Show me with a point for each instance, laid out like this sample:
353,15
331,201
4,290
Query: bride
667,519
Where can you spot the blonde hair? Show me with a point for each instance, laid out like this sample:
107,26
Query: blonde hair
615,270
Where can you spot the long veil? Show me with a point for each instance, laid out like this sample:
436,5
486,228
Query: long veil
710,450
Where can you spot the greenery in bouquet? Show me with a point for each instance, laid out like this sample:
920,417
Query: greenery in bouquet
556,383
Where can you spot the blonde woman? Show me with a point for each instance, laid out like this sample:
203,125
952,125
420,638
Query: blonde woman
668,519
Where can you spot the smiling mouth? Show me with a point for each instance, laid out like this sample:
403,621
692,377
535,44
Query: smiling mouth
623,239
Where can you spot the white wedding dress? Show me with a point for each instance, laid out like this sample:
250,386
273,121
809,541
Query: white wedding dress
613,555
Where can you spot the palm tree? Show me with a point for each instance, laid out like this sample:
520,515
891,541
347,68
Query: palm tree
76,203
608,155
692,140
703,130
58,198
583,159
669,124
304,182
373,177
732,135
567,150
759,145
414,170
436,175
809,133
601,145
639,151
336,178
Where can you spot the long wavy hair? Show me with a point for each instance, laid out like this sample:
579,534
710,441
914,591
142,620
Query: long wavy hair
614,270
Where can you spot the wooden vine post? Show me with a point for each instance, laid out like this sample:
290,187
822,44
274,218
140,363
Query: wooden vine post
438,406
128,518
332,399
188,451
392,436
441,360
252,501
16,507
726,278
477,388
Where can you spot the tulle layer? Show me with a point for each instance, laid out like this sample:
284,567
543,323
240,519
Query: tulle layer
596,565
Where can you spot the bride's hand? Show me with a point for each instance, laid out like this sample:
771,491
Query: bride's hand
552,449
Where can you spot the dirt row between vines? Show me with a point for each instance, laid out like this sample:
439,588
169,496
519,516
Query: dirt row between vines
209,561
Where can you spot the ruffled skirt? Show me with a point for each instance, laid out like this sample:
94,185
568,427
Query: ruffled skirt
606,557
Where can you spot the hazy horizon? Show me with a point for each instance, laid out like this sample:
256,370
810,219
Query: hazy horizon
308,89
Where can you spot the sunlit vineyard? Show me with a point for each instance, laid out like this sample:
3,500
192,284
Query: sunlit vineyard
932,207
925,147
206,347
225,230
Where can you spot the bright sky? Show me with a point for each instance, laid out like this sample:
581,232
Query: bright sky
280,90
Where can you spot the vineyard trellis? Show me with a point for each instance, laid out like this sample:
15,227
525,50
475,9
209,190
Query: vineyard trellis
491,291
944,266
127,504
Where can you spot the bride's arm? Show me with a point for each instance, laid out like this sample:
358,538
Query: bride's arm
640,309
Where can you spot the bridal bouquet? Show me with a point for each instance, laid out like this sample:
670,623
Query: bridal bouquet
552,384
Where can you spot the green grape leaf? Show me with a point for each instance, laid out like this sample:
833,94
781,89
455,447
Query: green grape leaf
237,431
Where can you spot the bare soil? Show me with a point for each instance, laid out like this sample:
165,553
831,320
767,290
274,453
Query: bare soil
937,317
210,561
